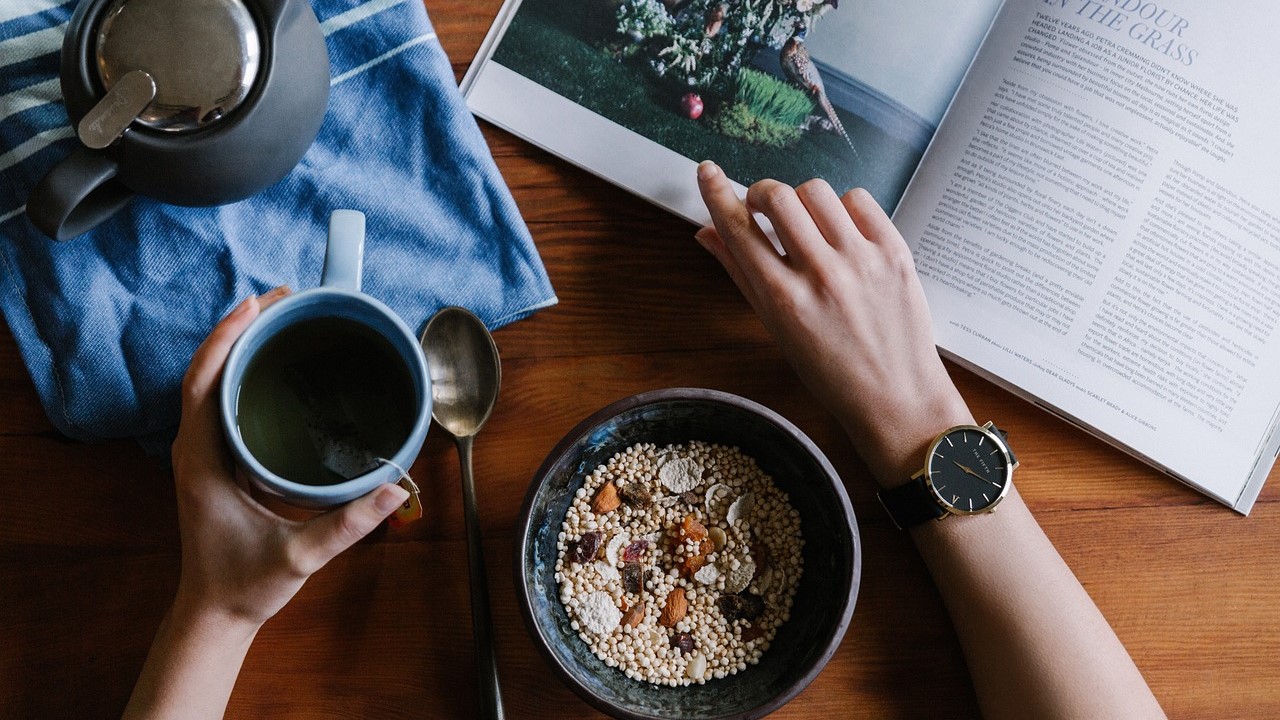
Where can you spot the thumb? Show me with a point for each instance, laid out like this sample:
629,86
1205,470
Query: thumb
324,536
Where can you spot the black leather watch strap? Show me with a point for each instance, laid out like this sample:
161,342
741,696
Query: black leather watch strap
911,504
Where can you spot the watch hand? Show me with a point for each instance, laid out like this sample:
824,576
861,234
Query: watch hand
970,472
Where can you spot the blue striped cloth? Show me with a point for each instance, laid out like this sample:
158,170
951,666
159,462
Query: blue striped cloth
107,322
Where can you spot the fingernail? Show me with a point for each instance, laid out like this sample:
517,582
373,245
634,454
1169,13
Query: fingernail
707,170
389,498
277,292
702,236
241,309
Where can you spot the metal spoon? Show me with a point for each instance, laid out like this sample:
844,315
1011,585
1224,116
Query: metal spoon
465,375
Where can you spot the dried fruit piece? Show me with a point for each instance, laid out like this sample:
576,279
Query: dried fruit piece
683,642
675,609
606,499
742,606
633,578
634,615
691,529
587,547
754,632
597,613
690,498
760,554
636,496
696,560
680,474
635,550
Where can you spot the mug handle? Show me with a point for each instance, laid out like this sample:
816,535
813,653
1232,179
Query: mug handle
344,255
77,195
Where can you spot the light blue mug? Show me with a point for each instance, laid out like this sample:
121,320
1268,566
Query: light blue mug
338,298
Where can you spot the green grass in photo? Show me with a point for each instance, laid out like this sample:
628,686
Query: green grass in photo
771,99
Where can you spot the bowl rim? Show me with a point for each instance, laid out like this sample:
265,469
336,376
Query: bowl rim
650,397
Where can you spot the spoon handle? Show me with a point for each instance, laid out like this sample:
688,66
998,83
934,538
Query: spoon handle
481,619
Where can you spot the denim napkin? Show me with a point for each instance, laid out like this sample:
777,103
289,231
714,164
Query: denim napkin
107,322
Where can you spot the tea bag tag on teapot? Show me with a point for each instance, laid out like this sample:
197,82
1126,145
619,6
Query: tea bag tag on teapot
123,103
411,508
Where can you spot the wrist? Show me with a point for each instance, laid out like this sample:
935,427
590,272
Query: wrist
207,622
893,445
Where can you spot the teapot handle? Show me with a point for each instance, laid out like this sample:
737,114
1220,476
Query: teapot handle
78,194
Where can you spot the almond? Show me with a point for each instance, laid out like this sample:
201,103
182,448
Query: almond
634,615
675,609
606,500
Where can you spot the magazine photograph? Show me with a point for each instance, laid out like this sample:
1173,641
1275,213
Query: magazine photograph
789,89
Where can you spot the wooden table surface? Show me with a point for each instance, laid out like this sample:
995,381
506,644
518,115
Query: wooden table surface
89,546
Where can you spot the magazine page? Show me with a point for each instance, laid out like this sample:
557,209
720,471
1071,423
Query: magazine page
1098,224
639,91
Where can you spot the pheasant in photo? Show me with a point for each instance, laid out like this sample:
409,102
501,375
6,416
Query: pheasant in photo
799,69
715,20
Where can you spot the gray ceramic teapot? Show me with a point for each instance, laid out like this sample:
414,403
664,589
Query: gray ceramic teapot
189,102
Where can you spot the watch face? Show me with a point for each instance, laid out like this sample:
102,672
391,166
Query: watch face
969,470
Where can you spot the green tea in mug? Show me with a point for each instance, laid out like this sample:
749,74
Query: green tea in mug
323,400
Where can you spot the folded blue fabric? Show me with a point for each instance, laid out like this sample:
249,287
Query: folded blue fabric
107,322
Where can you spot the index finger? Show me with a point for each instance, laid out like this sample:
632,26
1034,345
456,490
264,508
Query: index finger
199,385
741,234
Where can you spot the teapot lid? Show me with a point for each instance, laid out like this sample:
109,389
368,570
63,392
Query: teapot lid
203,55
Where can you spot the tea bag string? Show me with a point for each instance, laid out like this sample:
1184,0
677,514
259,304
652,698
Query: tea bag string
404,474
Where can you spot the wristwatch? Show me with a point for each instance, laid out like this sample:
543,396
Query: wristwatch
968,470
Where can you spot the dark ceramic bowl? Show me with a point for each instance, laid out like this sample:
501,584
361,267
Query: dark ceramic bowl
832,553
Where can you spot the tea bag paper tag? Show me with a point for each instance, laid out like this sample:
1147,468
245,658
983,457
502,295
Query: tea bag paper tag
411,508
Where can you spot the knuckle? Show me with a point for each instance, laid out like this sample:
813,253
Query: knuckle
350,528
194,386
900,257
735,227
861,196
777,194
814,188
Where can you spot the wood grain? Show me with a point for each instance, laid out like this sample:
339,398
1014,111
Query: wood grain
89,549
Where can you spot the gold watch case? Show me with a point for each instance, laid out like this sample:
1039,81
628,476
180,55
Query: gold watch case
945,447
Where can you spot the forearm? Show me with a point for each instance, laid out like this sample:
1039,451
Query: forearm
1035,643
192,666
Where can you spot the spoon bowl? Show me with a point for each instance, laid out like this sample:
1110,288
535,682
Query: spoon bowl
465,371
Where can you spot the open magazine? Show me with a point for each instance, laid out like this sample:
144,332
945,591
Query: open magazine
1088,187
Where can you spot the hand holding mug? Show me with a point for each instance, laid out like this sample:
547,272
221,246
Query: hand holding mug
239,559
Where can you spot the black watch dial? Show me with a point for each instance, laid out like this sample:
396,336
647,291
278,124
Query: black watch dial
969,469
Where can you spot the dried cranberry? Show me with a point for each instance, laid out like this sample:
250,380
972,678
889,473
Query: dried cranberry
683,642
635,550
587,548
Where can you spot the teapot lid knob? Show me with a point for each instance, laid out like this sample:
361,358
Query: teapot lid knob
204,56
